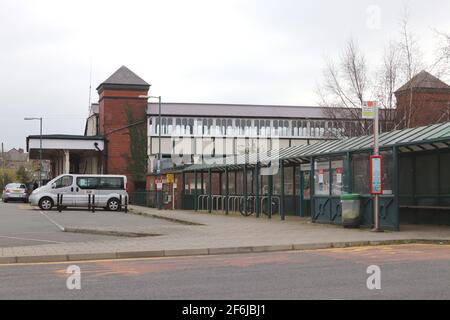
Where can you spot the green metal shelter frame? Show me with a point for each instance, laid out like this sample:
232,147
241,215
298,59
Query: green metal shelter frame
353,153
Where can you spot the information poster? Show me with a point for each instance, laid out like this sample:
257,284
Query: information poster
376,169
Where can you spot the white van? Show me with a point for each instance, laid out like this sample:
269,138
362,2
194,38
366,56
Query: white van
77,189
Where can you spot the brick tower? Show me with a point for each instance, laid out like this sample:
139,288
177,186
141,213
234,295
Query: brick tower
122,122
423,100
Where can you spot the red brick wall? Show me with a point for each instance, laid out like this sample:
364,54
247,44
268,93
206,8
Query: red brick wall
427,106
113,115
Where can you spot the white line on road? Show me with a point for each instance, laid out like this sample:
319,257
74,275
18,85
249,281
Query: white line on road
30,239
60,227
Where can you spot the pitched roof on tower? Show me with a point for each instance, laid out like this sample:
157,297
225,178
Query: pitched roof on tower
424,80
124,77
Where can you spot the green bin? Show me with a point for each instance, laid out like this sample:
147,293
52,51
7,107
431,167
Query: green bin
350,210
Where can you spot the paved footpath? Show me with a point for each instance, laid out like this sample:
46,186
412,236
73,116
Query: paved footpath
197,233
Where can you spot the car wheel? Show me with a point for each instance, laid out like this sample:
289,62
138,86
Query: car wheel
46,203
113,204
5,201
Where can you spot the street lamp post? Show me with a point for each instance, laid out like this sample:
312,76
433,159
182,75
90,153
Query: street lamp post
158,192
40,147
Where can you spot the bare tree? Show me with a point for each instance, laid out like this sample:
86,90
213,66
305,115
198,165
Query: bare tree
441,66
411,64
343,91
346,84
387,78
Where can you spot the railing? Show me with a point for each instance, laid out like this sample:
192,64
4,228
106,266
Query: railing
144,198
235,203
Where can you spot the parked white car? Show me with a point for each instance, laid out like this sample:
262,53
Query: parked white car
77,189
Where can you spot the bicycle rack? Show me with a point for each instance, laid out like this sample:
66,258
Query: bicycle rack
234,200
201,200
215,201
267,197
250,208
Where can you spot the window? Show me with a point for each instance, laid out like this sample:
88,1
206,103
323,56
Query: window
426,174
445,173
277,182
388,172
239,182
306,185
164,126
111,183
63,182
289,181
322,178
360,171
337,171
264,184
294,130
88,182
231,183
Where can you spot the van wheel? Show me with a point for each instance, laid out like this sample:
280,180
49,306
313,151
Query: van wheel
113,204
46,203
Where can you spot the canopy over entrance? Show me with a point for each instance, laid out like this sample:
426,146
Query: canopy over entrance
68,153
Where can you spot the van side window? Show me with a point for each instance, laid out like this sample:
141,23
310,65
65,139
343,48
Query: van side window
63,182
111,183
87,182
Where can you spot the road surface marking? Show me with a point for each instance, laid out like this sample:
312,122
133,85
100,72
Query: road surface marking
31,239
60,227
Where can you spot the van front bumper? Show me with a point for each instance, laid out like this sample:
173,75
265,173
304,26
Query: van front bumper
33,200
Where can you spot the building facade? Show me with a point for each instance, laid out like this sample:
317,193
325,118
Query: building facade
125,132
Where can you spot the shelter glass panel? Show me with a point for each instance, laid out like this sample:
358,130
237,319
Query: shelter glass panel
239,182
388,172
445,173
231,183
360,171
427,174
337,172
289,181
322,178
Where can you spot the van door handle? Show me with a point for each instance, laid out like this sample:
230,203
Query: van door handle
71,189
78,189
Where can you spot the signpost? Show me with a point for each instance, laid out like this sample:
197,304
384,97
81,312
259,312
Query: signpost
370,111
170,178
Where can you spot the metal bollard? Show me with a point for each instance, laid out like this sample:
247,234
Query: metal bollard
93,203
60,201
120,202
89,202
126,204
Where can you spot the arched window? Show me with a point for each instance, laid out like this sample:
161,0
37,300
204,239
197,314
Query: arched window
190,128
164,126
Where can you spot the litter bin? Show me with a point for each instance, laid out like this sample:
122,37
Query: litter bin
350,210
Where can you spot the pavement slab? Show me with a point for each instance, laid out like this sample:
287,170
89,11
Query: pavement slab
204,233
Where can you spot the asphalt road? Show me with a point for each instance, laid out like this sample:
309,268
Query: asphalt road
20,225
407,272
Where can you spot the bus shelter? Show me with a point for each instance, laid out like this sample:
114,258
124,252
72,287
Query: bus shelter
308,180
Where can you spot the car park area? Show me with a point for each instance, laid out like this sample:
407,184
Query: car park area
23,225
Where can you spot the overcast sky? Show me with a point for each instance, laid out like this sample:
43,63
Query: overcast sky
229,51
